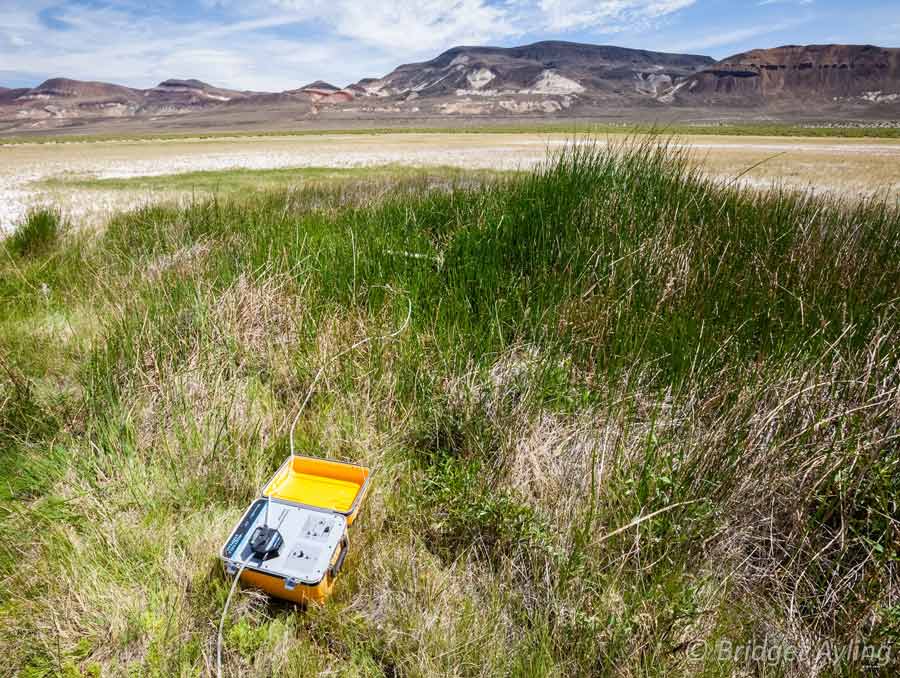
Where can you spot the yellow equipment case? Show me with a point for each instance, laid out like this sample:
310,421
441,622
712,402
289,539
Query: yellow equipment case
292,540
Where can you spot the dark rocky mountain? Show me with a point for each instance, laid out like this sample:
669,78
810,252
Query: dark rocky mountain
541,69
195,88
321,86
8,95
67,100
64,88
544,79
324,92
175,96
795,73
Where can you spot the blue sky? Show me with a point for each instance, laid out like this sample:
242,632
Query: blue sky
282,44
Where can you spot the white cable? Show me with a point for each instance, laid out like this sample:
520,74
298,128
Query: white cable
309,393
237,578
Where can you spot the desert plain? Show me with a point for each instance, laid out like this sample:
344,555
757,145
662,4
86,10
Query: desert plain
89,179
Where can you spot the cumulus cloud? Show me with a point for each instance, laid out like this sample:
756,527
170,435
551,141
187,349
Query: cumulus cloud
430,24
276,44
410,25
280,44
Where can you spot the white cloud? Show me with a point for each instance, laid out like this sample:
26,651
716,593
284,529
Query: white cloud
410,25
108,44
731,37
263,45
607,15
14,40
420,25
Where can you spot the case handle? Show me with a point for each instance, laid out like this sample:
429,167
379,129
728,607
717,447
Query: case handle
335,569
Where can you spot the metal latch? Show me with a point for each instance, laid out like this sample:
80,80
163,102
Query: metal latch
291,583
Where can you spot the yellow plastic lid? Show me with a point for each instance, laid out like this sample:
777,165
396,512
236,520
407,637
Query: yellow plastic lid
321,483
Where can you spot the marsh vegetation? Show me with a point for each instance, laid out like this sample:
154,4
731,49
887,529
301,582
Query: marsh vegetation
635,412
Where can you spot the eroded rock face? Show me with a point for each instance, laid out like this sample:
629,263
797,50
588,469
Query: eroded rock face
552,68
829,72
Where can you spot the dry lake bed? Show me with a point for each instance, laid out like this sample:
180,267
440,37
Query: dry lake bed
89,179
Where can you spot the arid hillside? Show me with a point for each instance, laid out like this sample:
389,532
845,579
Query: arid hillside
544,80
838,73
521,79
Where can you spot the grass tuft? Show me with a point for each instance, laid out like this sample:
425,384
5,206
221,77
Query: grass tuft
38,233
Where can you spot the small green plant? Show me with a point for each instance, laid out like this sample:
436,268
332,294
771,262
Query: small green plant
460,508
38,233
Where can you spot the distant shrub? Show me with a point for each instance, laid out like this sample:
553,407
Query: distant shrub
38,233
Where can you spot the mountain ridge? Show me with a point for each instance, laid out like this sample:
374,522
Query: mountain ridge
827,70
546,78
546,67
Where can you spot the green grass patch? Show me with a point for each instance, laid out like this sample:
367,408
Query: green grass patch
37,234
836,130
243,180
635,413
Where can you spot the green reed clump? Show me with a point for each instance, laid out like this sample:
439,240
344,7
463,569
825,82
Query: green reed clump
38,233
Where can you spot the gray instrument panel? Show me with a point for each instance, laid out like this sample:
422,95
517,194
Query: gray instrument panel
310,540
